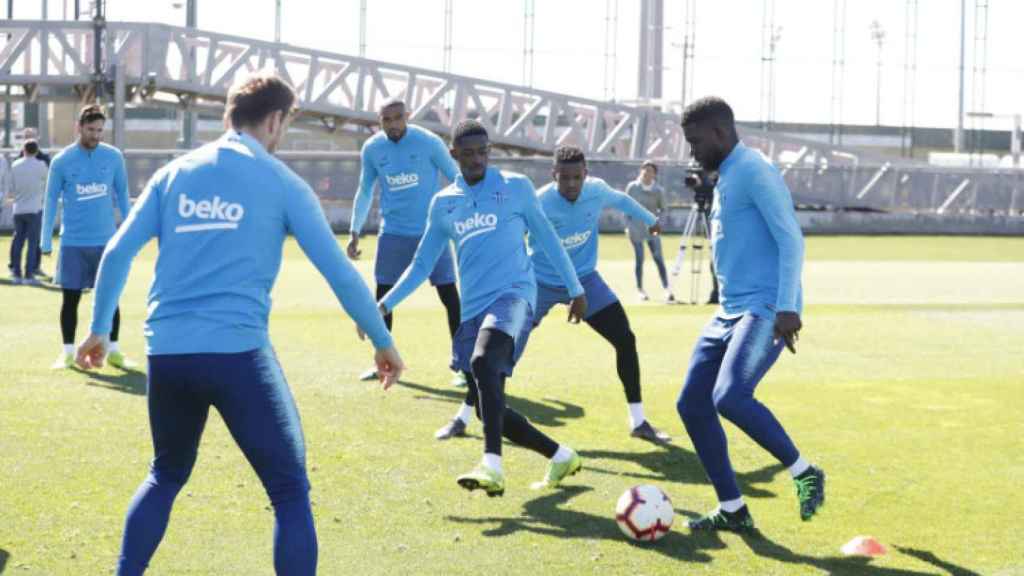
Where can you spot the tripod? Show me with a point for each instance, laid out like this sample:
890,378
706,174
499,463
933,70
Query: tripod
696,236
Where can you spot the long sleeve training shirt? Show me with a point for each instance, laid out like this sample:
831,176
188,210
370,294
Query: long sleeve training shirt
487,223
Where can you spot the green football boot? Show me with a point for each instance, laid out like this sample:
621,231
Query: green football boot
558,471
483,478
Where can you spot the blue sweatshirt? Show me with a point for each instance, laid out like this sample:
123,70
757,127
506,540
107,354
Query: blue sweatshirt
87,182
407,173
757,244
221,214
487,222
576,222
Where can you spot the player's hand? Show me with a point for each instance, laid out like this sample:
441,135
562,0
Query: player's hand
352,249
91,352
577,309
389,366
655,230
787,327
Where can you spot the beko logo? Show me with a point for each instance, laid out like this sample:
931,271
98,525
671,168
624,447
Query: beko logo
219,214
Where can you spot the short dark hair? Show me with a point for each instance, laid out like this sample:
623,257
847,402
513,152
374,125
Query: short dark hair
390,102
31,147
708,108
90,114
255,97
468,127
649,164
566,154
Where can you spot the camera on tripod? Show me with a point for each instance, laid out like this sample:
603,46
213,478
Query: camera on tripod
702,182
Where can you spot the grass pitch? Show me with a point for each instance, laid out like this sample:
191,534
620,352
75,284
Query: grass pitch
907,389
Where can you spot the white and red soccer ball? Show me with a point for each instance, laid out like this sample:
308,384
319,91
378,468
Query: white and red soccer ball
644,513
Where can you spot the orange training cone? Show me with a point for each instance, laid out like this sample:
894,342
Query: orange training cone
863,546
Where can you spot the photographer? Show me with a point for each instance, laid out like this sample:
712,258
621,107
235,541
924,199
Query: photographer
651,196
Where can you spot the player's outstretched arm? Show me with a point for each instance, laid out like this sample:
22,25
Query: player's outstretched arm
631,208
429,250
141,224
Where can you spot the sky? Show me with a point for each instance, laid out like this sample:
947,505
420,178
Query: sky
570,42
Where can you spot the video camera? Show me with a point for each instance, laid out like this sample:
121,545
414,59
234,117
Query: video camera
702,182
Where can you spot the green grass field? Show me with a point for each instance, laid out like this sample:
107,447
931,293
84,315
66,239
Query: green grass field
908,388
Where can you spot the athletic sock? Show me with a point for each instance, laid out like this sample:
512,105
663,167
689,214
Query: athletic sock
799,467
69,348
464,413
731,506
113,347
492,461
562,455
636,414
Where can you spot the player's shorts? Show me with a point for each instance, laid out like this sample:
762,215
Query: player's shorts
509,314
77,267
394,254
599,296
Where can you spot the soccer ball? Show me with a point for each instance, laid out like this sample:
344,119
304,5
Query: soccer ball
644,513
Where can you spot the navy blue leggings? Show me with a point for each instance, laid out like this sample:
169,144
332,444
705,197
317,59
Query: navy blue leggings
729,360
249,391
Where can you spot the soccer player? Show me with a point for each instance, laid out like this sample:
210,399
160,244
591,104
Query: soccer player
221,214
573,203
404,160
84,176
646,190
758,254
486,213
28,185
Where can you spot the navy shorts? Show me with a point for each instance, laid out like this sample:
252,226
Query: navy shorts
77,267
394,254
509,314
599,296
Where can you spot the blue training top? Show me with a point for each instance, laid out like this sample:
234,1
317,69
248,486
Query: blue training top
84,181
407,173
221,214
576,222
487,223
757,244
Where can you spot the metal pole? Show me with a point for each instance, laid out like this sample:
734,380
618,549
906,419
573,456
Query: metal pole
7,101
277,21
958,137
362,28
119,89
188,117
98,25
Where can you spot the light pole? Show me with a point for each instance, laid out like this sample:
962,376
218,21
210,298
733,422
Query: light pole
878,36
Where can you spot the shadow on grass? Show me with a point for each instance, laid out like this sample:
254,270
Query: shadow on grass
762,546
129,381
671,463
549,515
4,556
931,558
551,413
